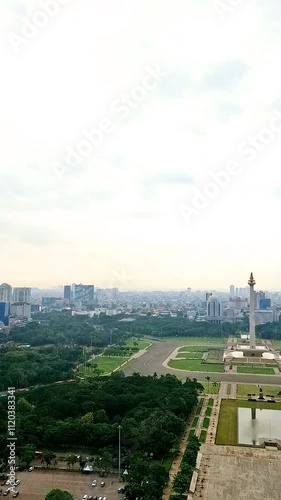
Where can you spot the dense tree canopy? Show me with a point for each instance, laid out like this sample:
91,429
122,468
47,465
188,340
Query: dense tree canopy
59,495
152,412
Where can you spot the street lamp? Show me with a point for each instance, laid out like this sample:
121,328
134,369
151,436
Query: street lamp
119,452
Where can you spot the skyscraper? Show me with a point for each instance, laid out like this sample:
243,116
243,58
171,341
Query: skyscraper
22,294
67,295
83,294
5,292
4,313
231,290
214,307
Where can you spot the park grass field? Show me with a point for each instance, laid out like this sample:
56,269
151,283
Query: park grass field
227,425
195,421
200,341
190,355
193,349
208,412
260,370
140,344
195,365
276,344
108,364
210,388
202,437
244,390
206,422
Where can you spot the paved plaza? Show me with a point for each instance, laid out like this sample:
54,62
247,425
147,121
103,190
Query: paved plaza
236,473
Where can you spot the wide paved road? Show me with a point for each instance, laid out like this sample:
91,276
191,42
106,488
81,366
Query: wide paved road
151,362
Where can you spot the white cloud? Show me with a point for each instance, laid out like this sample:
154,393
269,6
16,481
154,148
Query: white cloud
65,80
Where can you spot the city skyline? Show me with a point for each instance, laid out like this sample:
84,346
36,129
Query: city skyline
135,152
50,285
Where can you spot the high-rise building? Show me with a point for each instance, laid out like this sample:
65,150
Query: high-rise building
213,307
83,294
22,294
265,304
231,290
4,313
5,292
21,310
67,294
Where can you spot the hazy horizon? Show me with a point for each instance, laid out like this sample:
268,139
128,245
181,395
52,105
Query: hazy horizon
141,144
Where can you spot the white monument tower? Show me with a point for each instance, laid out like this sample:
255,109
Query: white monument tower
252,283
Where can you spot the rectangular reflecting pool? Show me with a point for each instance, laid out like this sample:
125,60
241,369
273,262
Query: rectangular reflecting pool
256,424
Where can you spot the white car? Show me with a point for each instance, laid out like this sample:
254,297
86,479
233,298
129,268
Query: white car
94,482
85,497
17,482
30,469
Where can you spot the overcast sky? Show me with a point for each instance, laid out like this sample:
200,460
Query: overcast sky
202,83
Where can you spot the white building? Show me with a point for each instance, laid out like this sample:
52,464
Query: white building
22,294
5,293
21,310
263,316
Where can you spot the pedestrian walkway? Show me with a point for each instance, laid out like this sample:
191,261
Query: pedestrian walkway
223,390
175,467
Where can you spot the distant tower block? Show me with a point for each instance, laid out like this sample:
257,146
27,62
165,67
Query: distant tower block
252,283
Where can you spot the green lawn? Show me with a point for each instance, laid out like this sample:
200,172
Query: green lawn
206,422
276,344
208,412
215,354
140,344
227,425
211,402
191,433
201,341
195,422
212,389
195,365
261,370
244,390
198,410
108,364
190,355
193,349
202,437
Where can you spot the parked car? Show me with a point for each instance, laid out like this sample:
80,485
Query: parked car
94,482
17,482
85,497
16,494
102,484
121,490
6,492
30,469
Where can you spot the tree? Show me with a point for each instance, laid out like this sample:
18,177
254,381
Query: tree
208,380
105,461
48,457
71,460
59,495
27,454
